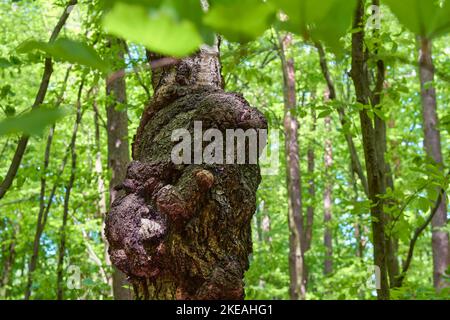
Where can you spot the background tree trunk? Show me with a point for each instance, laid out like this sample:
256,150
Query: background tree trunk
432,143
374,169
296,256
183,231
327,202
118,148
68,189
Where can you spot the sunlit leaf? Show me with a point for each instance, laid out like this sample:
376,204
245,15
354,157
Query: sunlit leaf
424,18
31,123
326,20
240,20
158,29
69,51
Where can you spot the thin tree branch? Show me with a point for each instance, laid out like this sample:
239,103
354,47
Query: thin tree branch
40,97
416,235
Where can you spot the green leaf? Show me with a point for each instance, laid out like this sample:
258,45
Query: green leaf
240,20
326,20
423,204
6,91
5,63
31,123
159,29
424,18
69,51
324,114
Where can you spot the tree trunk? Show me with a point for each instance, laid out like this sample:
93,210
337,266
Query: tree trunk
182,231
68,190
118,149
308,232
296,256
102,206
359,74
311,190
432,144
9,259
327,201
354,157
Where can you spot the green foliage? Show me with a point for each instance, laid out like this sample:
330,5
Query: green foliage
160,29
251,65
67,50
31,123
325,21
240,20
424,18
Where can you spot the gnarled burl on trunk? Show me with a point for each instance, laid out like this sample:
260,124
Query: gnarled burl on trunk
183,231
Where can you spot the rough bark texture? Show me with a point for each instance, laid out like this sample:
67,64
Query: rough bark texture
118,151
296,256
386,176
359,74
183,231
432,143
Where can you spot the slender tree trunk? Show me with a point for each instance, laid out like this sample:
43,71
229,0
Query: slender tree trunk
327,201
118,150
183,231
432,144
43,209
374,170
68,188
296,256
8,264
381,149
307,235
40,97
354,157
419,230
102,205
311,190
356,166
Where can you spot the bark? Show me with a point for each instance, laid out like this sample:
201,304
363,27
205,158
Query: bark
183,231
354,157
296,255
68,188
309,219
118,150
102,206
385,172
432,144
40,97
311,191
359,74
8,263
327,202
